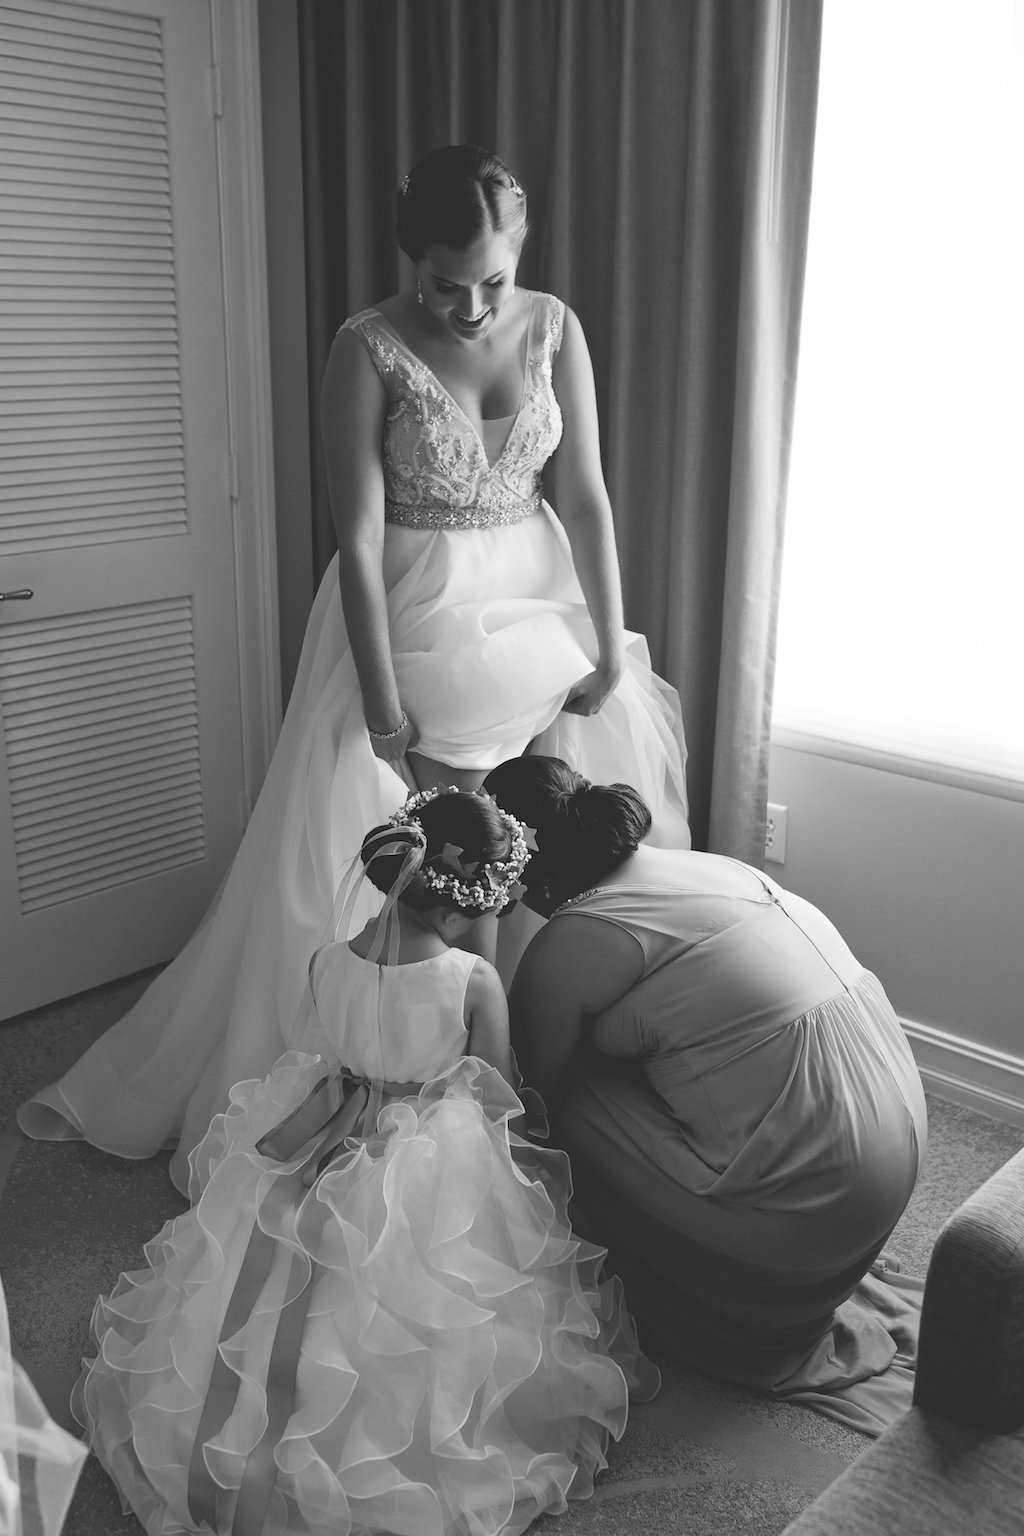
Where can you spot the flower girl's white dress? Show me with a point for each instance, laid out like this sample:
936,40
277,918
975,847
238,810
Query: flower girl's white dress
395,1332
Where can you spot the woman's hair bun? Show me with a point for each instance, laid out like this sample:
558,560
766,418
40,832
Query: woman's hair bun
567,797
583,828
614,819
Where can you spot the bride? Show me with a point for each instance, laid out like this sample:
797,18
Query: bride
473,611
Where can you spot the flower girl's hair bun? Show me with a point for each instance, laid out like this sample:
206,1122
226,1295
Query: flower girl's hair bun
388,850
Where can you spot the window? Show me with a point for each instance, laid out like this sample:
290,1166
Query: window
902,611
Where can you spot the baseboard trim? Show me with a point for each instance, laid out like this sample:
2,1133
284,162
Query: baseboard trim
989,1081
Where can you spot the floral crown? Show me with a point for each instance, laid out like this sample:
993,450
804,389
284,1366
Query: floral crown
476,886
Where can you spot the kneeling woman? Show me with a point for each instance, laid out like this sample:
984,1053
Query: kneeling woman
743,1114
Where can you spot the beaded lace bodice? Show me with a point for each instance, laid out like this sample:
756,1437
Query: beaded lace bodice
436,470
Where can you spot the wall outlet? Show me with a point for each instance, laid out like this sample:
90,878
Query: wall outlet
775,834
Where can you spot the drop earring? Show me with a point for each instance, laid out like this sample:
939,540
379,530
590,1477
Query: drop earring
419,289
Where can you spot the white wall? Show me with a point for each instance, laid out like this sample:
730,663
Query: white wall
925,880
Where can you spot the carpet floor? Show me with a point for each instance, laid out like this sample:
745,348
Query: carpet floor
703,1459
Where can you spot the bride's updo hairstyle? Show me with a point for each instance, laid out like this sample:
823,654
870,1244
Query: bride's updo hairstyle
455,195
463,832
584,830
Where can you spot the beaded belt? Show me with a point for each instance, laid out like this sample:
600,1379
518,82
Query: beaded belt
497,510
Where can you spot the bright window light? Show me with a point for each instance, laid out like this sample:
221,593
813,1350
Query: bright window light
902,612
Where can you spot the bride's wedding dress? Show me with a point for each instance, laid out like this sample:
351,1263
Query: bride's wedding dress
489,631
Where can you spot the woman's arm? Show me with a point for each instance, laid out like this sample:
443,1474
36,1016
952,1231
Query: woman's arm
576,486
487,1019
573,969
353,403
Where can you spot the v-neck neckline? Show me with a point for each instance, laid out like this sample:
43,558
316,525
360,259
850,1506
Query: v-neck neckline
422,363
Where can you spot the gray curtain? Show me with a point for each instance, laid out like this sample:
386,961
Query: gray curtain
666,146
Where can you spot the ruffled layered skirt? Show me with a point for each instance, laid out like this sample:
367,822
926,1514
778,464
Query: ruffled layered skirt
411,1341
489,631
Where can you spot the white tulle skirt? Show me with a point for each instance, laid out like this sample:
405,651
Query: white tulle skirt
489,631
412,1341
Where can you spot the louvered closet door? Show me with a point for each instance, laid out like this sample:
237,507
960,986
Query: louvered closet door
120,770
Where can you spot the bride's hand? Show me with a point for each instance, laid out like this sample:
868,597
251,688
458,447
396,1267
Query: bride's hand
587,696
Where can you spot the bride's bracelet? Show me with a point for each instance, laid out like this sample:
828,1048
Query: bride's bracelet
390,735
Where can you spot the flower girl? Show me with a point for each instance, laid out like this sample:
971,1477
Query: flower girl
375,1317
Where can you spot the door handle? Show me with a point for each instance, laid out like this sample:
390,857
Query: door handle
22,593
